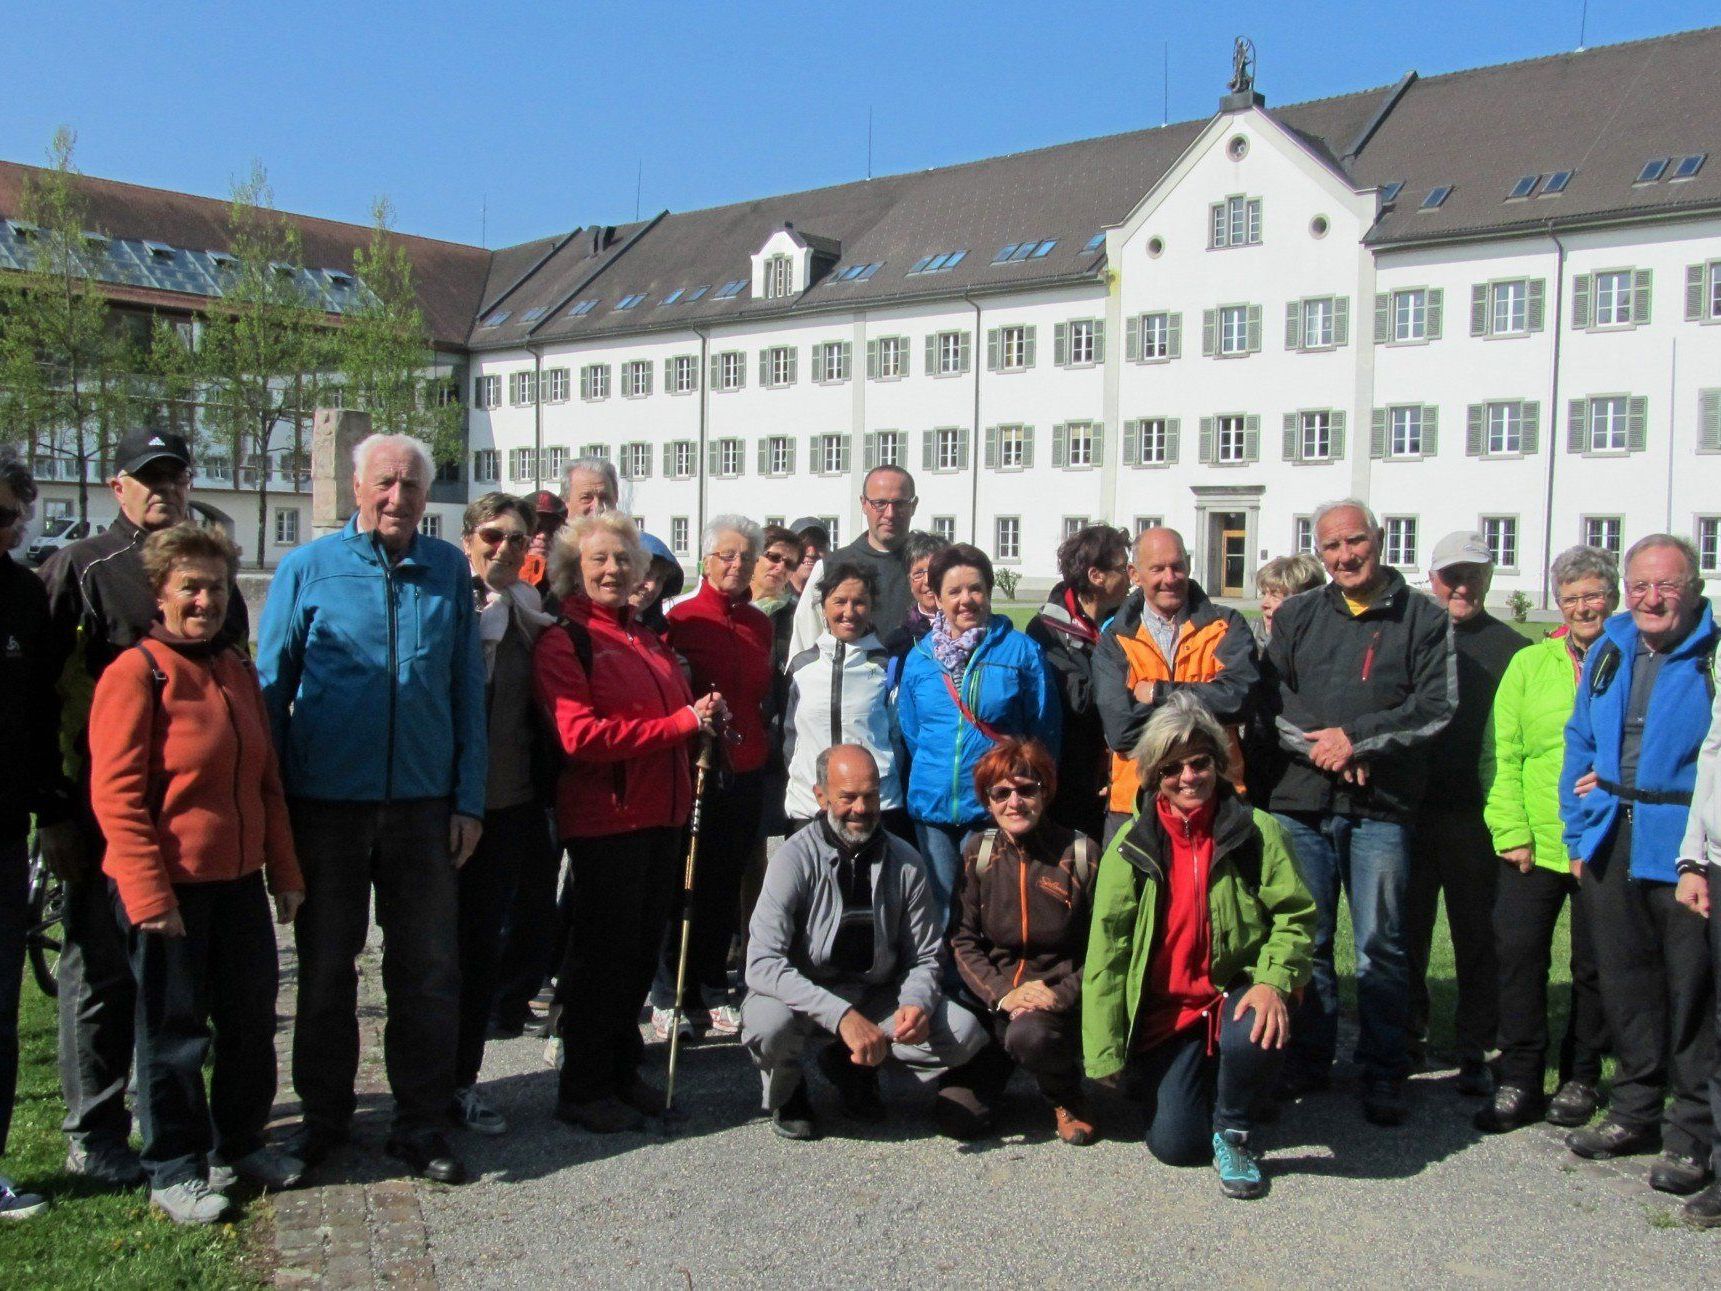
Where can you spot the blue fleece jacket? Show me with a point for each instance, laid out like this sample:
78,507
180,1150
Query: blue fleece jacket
373,674
1673,731
1006,685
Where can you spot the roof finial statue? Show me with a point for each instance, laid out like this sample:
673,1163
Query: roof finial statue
1243,66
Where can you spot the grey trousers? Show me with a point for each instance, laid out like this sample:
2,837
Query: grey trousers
98,1003
776,1036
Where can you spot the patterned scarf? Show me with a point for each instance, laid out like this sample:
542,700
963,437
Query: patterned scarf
953,652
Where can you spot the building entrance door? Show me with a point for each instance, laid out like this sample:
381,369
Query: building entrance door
1228,554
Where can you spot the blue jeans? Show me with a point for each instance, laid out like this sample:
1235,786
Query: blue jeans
940,847
1189,1093
1369,861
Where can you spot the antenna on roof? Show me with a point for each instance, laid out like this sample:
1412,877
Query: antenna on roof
638,180
484,222
1583,25
1165,85
869,142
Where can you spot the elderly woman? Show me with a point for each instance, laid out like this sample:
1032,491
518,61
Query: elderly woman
839,693
1019,937
773,596
185,786
918,552
514,850
727,645
1202,932
966,684
624,718
1282,578
1523,749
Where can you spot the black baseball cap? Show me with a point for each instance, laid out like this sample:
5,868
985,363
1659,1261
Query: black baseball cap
808,526
138,448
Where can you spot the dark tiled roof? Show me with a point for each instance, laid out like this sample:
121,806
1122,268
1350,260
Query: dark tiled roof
449,277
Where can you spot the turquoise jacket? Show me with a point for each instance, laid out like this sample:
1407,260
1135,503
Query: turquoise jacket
373,674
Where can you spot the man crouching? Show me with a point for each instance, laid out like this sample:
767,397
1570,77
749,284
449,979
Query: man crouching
844,939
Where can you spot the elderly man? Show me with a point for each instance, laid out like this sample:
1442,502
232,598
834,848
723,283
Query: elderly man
844,940
592,487
1451,850
888,502
1367,677
99,604
1166,637
374,678
1631,762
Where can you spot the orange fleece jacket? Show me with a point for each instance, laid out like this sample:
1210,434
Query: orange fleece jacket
185,784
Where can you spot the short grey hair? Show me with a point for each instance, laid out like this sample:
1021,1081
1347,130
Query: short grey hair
1585,562
601,467
921,545
1288,575
1182,719
717,526
370,443
1343,504
822,763
1684,546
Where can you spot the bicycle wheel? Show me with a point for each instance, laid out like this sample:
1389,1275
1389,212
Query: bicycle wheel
43,936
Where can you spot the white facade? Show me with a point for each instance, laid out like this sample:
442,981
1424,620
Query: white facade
1392,420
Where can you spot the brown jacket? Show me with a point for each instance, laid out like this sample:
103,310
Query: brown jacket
1026,917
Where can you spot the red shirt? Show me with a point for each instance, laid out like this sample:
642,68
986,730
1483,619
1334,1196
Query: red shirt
1177,991
727,644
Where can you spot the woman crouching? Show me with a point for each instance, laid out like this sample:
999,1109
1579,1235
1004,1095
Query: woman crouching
1198,899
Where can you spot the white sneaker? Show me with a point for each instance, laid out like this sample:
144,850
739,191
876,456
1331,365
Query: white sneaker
663,1019
725,1020
472,1112
191,1201
19,1205
553,1052
267,1167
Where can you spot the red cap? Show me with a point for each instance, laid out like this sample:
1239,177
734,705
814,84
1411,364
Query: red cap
546,503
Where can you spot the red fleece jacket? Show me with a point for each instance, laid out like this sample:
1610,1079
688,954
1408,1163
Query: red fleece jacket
1178,991
728,645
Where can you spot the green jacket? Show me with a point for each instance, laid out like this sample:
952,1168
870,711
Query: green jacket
1523,749
1263,920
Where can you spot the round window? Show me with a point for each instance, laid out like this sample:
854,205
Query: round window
1318,227
1155,247
1238,148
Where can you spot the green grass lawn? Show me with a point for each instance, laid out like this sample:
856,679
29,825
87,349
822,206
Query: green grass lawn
93,1237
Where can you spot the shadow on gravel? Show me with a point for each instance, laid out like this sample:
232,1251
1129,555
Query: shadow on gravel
1331,1122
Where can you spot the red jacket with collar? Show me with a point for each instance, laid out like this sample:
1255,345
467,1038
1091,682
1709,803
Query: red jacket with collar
625,728
728,645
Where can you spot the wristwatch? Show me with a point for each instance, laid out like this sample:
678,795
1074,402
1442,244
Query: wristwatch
1686,865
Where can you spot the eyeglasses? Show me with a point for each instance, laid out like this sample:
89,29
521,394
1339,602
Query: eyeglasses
1588,600
732,557
1002,793
496,537
891,504
1200,764
778,558
1668,589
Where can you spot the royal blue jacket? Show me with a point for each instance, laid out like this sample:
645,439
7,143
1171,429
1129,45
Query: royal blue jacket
1673,731
1006,685
373,674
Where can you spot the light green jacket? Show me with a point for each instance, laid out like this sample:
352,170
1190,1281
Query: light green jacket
1523,749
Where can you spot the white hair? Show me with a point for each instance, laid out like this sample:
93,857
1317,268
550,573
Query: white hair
370,443
601,467
717,526
1344,504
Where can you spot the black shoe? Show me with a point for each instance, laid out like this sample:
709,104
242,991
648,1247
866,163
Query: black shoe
1704,1210
645,1099
1680,1175
427,1154
601,1116
960,1114
1611,1139
1298,1082
1573,1104
1475,1078
313,1142
1383,1102
514,1023
1511,1108
857,1087
795,1119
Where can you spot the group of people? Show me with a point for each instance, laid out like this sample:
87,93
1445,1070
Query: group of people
1112,846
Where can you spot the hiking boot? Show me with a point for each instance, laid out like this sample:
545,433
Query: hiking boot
606,1115
1610,1139
470,1110
1678,1174
1512,1107
1704,1210
725,1020
427,1154
960,1113
1383,1102
663,1019
1573,1104
190,1201
1075,1126
795,1119
114,1165
1239,1169
645,1099
312,1143
19,1205
1475,1078
269,1168
857,1086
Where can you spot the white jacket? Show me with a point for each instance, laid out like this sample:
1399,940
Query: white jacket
839,694
1702,841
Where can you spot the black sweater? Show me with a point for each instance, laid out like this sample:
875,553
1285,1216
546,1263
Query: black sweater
1485,646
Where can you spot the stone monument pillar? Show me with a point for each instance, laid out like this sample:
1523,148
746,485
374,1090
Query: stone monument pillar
335,432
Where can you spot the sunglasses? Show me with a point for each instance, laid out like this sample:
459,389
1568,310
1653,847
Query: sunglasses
1001,793
778,558
496,537
1201,764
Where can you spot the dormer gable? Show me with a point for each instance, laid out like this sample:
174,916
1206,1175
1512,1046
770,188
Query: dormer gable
791,261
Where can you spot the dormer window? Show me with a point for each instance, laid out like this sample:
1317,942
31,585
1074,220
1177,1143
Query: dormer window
779,277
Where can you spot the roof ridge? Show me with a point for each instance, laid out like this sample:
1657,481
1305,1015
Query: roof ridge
1582,52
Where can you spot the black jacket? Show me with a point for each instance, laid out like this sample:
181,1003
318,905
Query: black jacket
1484,646
1084,765
30,781
1387,677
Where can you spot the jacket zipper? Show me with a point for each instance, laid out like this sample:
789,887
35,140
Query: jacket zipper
662,699
238,767
1022,897
1368,656
393,667
837,696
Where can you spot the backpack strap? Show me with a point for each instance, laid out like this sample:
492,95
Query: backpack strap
1606,665
983,859
580,637
157,678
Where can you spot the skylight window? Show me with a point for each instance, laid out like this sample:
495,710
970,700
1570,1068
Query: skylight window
1390,192
629,301
21,230
534,314
583,308
1653,169
730,290
1524,187
1029,250
1556,183
498,317
856,272
1689,166
672,297
1096,242
1045,248
941,263
339,279
696,293
1435,197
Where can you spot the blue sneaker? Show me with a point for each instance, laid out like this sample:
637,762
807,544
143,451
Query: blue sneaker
1239,1172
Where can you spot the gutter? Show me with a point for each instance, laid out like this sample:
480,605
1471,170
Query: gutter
976,441
1553,416
704,431
537,419
1570,223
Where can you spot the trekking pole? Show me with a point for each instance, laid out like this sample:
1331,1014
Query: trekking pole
707,756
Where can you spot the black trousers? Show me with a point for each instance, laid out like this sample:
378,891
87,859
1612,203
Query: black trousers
1658,991
14,919
1453,852
514,840
400,849
624,888
1526,912
1045,1044
1713,873
728,830
98,1008
222,974
533,932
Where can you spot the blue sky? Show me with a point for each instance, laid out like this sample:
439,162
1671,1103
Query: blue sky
504,122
